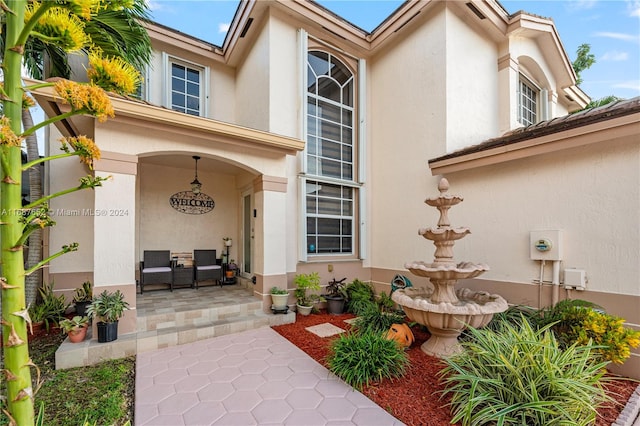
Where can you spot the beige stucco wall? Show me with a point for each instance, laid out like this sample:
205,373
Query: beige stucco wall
406,127
220,85
579,191
71,212
471,82
252,84
163,228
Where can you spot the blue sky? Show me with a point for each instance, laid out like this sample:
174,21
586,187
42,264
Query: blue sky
611,27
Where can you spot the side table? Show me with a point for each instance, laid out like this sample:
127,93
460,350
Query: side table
183,276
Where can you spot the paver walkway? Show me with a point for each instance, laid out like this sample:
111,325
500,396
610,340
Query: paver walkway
256,377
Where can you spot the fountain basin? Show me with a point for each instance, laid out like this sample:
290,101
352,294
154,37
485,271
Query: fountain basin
443,234
446,320
440,271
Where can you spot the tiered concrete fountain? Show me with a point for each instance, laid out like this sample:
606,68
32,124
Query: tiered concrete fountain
444,310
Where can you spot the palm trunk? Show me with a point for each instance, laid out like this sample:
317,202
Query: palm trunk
34,255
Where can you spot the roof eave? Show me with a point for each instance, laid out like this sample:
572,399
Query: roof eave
127,109
625,126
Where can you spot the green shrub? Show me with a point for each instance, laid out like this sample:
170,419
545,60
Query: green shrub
50,309
559,312
360,296
514,315
374,320
359,359
584,325
519,375
304,283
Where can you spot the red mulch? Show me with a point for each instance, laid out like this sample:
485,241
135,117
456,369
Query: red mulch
415,398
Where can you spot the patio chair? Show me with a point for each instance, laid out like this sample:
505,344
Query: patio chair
206,266
155,268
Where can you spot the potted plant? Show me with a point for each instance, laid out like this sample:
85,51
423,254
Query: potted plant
82,297
232,267
51,308
304,283
279,298
109,308
76,327
336,296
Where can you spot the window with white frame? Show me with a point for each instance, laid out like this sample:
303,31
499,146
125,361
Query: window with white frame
186,87
142,89
527,102
330,188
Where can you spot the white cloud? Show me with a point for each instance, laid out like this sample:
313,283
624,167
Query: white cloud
154,5
581,4
630,84
633,6
223,27
615,55
618,36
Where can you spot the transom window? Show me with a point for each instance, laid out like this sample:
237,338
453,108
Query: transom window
527,103
186,88
330,156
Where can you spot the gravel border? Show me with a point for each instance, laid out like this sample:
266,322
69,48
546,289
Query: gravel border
630,415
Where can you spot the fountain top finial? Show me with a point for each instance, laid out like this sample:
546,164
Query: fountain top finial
443,185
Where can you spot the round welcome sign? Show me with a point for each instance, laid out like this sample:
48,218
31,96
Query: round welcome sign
190,203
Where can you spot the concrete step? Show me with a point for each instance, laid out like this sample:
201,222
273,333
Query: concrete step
162,328
211,324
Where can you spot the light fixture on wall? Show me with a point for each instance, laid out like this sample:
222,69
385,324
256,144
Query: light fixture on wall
196,185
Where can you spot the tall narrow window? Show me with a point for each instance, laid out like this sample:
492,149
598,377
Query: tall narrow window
186,89
330,190
527,103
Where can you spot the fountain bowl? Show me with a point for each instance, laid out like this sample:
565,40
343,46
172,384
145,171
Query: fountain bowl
446,320
458,271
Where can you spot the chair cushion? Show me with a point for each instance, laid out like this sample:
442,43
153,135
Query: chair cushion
158,269
207,267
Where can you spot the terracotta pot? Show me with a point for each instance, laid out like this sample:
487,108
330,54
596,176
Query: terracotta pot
78,335
229,274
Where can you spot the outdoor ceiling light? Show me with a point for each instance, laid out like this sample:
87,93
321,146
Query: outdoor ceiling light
196,185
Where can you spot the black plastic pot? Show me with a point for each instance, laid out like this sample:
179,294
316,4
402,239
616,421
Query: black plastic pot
335,304
107,331
81,308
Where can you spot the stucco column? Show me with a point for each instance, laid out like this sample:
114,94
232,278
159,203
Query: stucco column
508,78
114,232
270,235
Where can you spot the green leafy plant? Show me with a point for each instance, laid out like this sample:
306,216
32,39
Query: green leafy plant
278,290
360,296
84,293
519,375
562,309
108,307
51,308
360,359
514,315
77,321
336,288
583,323
305,283
375,320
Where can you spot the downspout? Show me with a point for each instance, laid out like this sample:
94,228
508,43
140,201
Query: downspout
555,282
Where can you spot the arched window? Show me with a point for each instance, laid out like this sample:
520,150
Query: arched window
330,156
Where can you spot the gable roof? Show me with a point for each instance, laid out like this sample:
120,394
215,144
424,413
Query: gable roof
557,130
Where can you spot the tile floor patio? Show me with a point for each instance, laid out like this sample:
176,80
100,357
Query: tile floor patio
255,377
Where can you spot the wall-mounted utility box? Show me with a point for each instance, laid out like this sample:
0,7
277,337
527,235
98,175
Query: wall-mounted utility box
546,245
575,278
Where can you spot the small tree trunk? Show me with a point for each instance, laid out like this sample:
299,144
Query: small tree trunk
34,281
